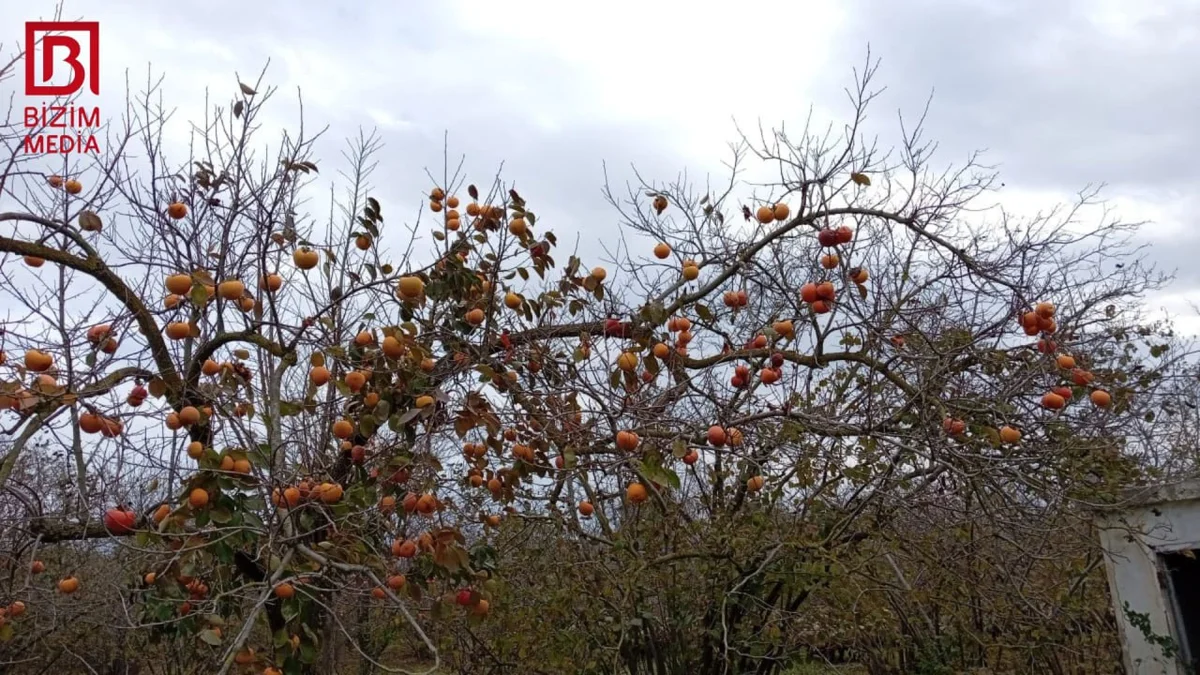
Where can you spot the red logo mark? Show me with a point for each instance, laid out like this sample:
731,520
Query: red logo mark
37,81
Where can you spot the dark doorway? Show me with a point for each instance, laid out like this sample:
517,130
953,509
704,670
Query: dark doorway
1183,589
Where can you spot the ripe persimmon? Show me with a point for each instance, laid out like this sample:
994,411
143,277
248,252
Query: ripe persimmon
198,498
177,210
74,187
305,258
404,549
716,436
636,493
355,380
1101,398
662,250
735,436
765,214
954,427
319,375
392,348
343,429
808,293
627,441
474,316
189,415
627,361
90,423
271,283
231,289
37,361
331,493
1009,434
755,483
1053,401
179,284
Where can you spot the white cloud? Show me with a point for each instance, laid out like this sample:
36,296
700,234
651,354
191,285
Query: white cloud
552,90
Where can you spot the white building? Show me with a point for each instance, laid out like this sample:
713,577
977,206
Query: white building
1152,556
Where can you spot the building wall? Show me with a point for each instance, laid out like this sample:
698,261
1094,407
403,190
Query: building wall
1131,543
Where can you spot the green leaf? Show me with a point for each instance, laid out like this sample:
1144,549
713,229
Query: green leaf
308,653
382,409
220,515
704,313
291,608
6,632
199,295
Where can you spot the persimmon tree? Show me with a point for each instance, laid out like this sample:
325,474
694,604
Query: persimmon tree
289,437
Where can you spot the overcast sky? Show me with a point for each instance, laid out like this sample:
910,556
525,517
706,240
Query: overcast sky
1060,93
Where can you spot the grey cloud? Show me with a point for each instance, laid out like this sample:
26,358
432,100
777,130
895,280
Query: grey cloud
1060,94
1059,97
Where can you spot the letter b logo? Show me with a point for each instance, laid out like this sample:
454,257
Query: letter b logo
61,50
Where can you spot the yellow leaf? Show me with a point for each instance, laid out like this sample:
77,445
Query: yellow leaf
860,178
